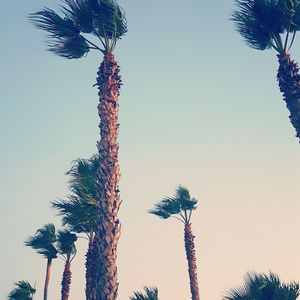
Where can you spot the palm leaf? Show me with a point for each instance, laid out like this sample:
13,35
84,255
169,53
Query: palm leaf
23,291
66,242
148,294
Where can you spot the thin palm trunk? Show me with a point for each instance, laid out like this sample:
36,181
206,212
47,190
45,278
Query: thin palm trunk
108,175
92,256
66,281
191,258
47,279
289,84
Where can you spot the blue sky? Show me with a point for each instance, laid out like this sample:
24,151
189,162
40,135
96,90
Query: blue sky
197,108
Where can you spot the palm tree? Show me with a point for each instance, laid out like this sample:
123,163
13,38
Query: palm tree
105,20
273,24
264,287
80,213
22,291
180,207
43,241
66,247
149,294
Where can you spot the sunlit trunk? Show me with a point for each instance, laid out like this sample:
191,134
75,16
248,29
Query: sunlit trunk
66,281
191,258
108,175
289,84
47,279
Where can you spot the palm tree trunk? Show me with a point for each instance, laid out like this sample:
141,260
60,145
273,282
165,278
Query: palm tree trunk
108,176
66,281
289,83
191,258
47,279
92,257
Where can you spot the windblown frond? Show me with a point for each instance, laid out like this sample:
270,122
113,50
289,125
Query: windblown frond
66,242
264,287
22,291
43,241
148,294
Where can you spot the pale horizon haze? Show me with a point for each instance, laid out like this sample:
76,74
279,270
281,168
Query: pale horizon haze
198,107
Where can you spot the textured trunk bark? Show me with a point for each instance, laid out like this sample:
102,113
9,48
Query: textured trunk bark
92,257
66,281
47,279
108,175
191,258
289,83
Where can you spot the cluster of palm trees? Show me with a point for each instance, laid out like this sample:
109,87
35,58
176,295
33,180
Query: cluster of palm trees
92,206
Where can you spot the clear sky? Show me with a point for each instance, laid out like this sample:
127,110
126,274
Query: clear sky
197,108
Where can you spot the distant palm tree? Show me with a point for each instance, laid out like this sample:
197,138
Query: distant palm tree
105,20
264,287
80,213
148,294
43,241
22,291
180,207
273,24
66,247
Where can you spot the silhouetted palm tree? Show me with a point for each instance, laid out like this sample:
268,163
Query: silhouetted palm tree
264,287
273,24
180,207
22,291
148,294
80,213
43,241
68,37
66,247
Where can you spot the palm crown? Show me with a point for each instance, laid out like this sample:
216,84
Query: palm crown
23,291
268,23
79,210
103,19
180,206
66,242
43,241
149,294
264,287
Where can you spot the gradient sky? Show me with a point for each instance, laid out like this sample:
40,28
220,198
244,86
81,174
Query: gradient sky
197,108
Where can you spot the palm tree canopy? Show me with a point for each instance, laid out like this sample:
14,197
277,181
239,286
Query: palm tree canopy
79,210
260,22
43,241
148,294
264,287
101,18
66,242
180,203
23,291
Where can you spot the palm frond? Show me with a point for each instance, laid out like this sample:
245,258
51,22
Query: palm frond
264,287
22,291
64,37
43,241
148,294
66,242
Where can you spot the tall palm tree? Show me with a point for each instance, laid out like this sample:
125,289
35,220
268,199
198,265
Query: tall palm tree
273,24
105,20
148,294
180,207
264,287
22,291
66,247
80,213
43,241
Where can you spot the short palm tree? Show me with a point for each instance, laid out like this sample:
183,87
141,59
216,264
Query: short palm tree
66,247
68,37
22,291
148,294
80,213
180,207
273,24
43,241
264,287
